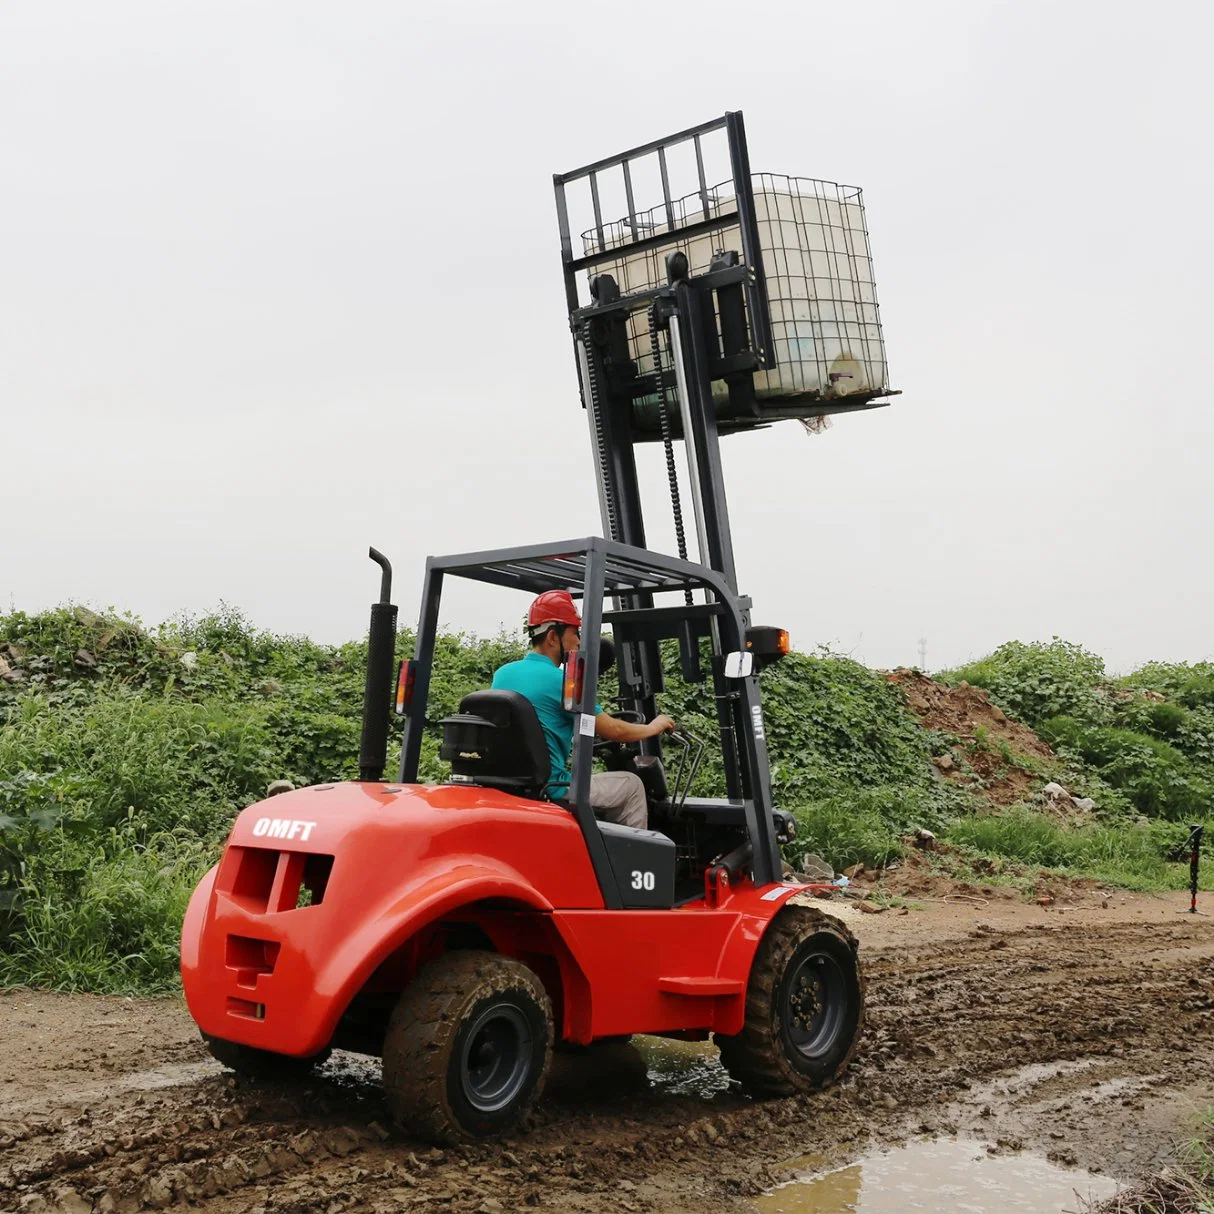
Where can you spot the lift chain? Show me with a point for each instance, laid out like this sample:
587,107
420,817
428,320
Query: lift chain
672,474
595,405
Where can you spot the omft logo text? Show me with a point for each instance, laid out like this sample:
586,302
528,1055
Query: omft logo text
282,828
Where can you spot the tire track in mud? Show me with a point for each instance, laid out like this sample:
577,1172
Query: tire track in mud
1077,1040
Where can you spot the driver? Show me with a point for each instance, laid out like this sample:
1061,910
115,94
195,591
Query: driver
555,628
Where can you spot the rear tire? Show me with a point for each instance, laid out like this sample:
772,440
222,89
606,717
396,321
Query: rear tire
804,1007
253,1063
468,1047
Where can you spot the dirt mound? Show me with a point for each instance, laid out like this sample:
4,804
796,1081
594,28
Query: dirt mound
964,710
998,757
944,873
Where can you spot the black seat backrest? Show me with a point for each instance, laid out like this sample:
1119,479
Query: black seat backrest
495,740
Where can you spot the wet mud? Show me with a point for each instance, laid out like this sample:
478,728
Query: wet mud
1083,1040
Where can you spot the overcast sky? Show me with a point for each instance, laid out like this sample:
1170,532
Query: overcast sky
281,280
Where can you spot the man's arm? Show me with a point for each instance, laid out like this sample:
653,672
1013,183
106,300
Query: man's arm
614,730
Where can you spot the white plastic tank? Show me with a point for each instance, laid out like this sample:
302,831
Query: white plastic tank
825,325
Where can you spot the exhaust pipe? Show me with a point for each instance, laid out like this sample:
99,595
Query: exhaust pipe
377,695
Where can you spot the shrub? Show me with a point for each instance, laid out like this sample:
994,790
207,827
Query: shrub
65,652
1158,778
1191,685
1035,681
120,772
1167,720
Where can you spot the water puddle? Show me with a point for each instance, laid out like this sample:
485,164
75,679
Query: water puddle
352,1070
944,1174
342,1069
1118,1088
1032,1075
682,1068
171,1075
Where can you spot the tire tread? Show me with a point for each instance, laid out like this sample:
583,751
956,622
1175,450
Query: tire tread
754,1055
423,1027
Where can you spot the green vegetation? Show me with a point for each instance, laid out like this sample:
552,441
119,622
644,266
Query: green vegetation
1189,685
125,755
1036,681
1149,736
1129,855
1159,779
126,752
863,825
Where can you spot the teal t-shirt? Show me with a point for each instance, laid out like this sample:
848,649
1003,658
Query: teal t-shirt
542,682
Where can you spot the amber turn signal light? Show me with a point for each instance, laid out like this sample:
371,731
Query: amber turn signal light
405,675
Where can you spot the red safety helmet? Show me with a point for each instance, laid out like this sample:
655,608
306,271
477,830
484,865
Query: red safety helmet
553,607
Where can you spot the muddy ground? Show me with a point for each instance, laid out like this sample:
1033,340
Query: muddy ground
1085,1033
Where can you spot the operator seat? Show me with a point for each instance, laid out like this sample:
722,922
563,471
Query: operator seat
495,741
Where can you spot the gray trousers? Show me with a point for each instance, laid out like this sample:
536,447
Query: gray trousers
619,796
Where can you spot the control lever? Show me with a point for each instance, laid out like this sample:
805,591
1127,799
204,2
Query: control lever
689,764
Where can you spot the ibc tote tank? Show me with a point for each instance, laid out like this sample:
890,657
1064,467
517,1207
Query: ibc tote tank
825,324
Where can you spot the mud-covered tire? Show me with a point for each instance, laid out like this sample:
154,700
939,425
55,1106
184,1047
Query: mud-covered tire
804,1007
261,1064
468,1047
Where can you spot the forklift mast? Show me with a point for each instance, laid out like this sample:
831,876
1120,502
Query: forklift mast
676,327
715,323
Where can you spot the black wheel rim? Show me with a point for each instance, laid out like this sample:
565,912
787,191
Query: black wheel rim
496,1057
813,1004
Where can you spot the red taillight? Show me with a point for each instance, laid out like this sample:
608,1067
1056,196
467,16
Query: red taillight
404,687
575,668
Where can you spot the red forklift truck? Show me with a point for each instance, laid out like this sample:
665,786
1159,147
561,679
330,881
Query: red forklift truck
461,930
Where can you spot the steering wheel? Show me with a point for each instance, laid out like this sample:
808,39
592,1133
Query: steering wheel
606,745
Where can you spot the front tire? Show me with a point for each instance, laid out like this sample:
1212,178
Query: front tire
804,1007
468,1047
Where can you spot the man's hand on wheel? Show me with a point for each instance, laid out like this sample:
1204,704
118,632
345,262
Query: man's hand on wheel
613,729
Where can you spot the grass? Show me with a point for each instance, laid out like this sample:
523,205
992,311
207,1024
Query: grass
1005,849
107,919
982,741
1135,857
862,826
887,901
1186,1187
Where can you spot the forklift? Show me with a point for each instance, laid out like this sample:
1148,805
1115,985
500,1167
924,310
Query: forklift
462,930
